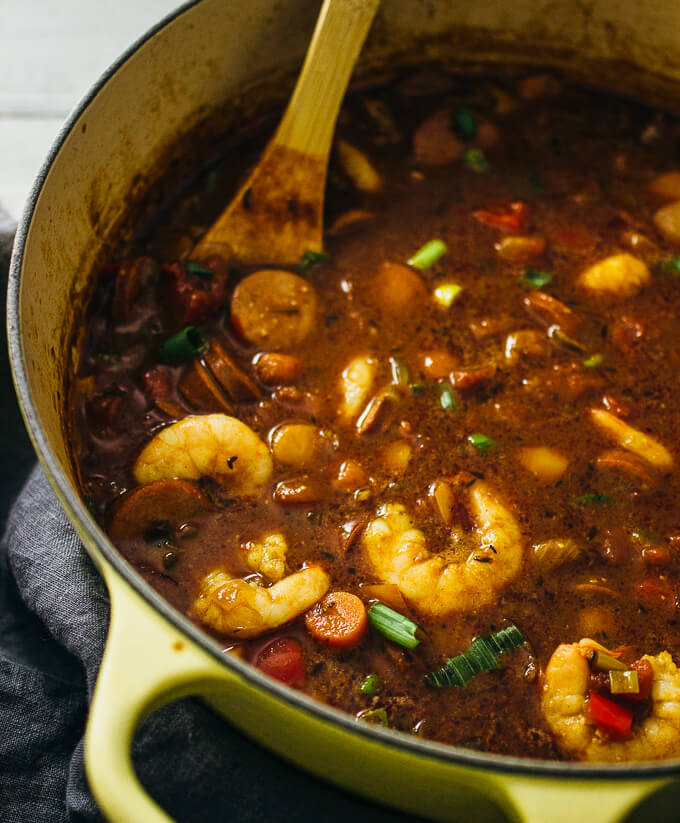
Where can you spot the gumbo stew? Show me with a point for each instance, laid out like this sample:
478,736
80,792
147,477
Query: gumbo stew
430,476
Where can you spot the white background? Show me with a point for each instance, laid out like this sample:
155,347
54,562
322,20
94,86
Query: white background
51,51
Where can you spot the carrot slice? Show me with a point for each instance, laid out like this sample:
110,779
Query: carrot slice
338,621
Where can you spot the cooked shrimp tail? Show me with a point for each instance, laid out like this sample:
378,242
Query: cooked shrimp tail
565,698
211,445
240,608
446,583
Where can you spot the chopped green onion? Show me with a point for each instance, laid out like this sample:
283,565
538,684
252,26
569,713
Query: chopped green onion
310,258
536,279
427,255
182,346
604,662
587,499
624,682
393,625
446,293
464,122
447,399
594,361
370,684
475,159
401,374
197,268
377,716
482,656
481,442
418,388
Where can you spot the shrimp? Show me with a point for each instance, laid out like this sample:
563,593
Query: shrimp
242,608
565,688
268,556
632,439
355,384
444,583
212,445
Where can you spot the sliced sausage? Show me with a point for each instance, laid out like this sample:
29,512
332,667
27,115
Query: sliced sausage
200,389
274,308
277,369
235,382
173,501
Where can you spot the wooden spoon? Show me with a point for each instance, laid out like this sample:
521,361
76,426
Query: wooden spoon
277,214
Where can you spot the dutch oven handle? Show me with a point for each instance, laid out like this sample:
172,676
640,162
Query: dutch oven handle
574,800
147,663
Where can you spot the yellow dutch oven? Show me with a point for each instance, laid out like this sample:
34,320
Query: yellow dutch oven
204,69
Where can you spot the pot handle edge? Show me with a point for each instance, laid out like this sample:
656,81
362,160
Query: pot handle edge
147,663
597,801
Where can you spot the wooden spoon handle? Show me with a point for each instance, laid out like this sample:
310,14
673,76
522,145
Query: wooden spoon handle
277,213
308,124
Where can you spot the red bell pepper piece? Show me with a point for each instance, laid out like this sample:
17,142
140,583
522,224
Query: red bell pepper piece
282,659
513,217
610,717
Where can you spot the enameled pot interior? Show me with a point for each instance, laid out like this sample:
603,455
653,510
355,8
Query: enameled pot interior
204,70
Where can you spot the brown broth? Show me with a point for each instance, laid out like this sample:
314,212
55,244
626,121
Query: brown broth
582,163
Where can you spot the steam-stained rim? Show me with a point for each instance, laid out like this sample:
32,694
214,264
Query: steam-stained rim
78,513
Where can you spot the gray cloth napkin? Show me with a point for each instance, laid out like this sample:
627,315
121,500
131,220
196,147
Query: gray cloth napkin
53,621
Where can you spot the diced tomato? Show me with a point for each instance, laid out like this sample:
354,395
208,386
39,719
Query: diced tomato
282,659
191,298
599,682
609,717
645,674
513,217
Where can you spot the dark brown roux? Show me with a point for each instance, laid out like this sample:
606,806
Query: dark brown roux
582,163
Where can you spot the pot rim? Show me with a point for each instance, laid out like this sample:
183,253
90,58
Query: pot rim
494,763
